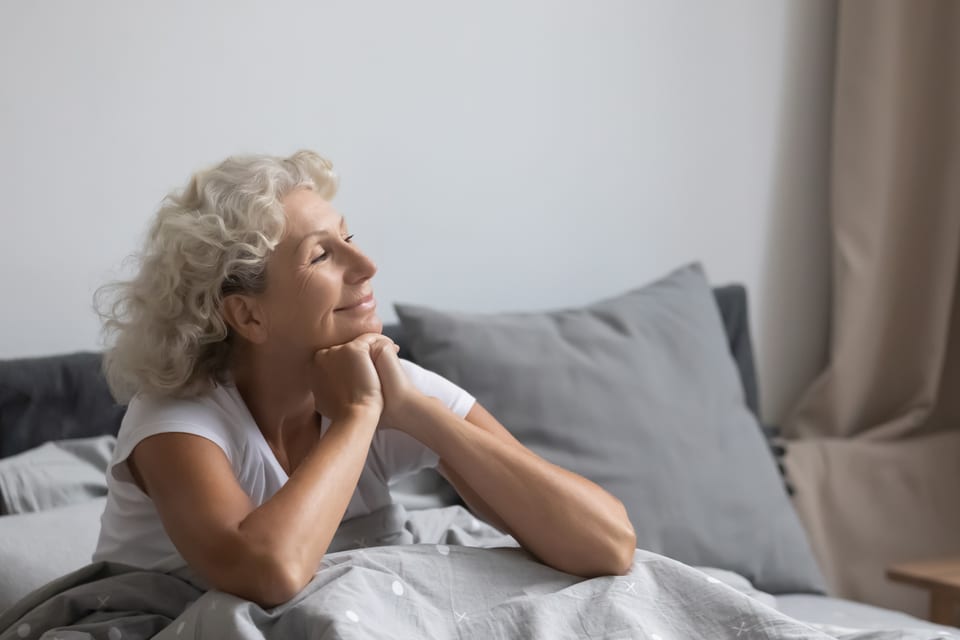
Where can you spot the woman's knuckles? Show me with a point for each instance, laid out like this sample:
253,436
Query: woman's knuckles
348,373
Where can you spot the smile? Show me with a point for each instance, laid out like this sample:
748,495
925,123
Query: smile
367,303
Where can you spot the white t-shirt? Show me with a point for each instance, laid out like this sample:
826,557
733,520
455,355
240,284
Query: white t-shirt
131,531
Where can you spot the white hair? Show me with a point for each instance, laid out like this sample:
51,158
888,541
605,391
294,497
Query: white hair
206,241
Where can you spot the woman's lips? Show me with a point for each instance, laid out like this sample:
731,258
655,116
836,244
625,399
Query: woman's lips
367,303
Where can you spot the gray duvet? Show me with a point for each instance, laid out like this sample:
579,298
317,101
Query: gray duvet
436,573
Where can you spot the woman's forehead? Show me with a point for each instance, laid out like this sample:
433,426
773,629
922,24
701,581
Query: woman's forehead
307,213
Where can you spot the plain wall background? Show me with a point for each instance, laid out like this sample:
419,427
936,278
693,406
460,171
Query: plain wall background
493,156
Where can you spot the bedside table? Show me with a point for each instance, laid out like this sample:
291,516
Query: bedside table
941,577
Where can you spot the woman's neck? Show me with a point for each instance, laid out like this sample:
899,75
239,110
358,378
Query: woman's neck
277,393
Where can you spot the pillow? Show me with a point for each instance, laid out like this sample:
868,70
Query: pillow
55,474
54,398
36,548
638,393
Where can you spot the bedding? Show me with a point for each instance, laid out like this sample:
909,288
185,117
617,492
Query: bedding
53,495
442,574
825,612
55,474
41,546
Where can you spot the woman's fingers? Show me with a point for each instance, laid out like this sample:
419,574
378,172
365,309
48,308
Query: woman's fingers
346,373
366,341
375,341
378,347
399,392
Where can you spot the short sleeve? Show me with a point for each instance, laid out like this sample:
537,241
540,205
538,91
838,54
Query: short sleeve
147,416
402,454
436,386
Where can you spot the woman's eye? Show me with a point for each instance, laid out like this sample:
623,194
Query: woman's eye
323,256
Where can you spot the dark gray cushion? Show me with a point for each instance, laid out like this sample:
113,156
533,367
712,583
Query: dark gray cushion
54,398
638,393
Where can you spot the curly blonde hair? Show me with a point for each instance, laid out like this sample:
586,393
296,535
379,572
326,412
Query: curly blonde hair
206,241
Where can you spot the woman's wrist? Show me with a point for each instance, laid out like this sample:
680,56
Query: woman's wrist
359,413
415,412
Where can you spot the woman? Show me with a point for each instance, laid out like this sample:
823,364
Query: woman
250,352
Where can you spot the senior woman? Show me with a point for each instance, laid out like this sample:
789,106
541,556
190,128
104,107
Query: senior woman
265,405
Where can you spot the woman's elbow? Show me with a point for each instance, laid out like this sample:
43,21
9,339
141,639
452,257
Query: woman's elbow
265,580
611,557
277,580
278,585
621,545
627,552
619,560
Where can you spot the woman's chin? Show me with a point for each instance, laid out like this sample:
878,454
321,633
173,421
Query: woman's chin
346,332
370,324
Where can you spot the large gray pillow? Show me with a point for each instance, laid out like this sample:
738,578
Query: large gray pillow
638,393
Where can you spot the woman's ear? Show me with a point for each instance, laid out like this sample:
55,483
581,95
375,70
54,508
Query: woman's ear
245,316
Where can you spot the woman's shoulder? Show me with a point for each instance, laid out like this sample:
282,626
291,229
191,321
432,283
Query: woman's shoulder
213,404
214,414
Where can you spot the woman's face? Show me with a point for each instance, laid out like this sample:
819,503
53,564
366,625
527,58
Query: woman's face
318,282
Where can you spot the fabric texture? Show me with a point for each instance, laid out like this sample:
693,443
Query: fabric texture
55,474
824,613
436,573
131,530
638,393
54,398
38,547
874,440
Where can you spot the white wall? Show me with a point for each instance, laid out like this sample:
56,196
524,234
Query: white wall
501,155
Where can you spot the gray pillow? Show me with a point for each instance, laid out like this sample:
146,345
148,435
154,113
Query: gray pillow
639,394
36,548
55,474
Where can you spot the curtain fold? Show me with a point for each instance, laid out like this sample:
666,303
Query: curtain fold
895,199
874,443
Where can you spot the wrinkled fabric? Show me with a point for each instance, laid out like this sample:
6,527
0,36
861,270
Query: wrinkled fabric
443,574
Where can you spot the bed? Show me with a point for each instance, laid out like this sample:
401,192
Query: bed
721,552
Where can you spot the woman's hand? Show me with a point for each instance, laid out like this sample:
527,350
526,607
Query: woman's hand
346,379
399,393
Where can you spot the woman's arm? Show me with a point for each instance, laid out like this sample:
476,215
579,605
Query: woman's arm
562,518
265,554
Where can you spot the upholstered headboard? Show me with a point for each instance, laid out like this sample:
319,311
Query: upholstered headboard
66,396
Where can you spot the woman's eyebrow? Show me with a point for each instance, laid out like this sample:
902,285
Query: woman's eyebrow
321,232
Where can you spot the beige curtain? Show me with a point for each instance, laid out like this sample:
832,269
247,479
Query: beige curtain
874,443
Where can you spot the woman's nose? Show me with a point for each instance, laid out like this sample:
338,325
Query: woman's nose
361,266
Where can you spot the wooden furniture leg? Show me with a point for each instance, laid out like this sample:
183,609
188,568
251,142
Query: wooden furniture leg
942,607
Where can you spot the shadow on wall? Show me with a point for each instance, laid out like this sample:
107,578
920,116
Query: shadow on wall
795,282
